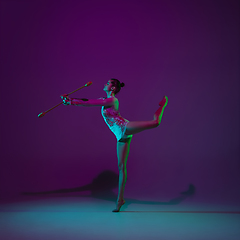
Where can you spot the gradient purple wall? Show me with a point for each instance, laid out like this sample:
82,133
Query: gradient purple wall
187,50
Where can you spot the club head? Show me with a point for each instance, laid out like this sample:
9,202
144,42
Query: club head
41,114
88,84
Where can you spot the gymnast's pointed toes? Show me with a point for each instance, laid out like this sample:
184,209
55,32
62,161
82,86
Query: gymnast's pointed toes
119,205
164,101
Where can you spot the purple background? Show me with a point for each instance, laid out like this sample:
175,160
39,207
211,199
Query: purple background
187,50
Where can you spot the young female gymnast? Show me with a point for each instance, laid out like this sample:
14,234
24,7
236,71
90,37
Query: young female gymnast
122,128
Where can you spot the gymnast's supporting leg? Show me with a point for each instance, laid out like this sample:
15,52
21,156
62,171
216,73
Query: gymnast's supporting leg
122,154
139,126
123,147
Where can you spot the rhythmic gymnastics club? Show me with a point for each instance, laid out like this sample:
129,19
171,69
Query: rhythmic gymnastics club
43,113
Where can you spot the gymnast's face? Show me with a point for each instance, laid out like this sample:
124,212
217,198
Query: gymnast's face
108,86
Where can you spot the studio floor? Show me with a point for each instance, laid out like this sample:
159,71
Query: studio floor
71,217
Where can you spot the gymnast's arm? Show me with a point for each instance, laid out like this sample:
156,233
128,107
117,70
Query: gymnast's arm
108,102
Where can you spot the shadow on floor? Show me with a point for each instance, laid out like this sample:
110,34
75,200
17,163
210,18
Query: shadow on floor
102,188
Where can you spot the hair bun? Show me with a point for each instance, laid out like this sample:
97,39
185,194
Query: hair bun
122,84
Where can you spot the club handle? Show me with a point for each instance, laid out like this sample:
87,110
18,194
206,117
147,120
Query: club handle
86,85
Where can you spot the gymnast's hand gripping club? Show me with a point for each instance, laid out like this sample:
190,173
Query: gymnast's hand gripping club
43,113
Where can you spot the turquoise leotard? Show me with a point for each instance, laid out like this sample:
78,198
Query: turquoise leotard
115,122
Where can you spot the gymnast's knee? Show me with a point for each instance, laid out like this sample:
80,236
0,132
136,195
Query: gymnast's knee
120,167
156,123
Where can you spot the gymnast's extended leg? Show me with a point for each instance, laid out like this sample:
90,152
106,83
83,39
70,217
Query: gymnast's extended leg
139,126
122,154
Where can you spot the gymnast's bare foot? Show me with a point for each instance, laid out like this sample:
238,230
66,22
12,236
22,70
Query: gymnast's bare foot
164,101
119,205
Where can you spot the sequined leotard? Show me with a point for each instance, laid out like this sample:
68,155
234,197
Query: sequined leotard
115,122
